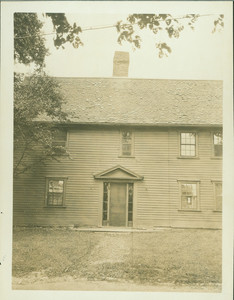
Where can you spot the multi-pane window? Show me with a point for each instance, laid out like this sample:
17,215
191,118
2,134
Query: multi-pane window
55,191
130,201
218,196
59,141
189,196
105,201
188,144
127,143
218,144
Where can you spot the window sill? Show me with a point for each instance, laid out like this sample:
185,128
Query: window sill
217,211
188,210
55,206
218,158
188,157
125,156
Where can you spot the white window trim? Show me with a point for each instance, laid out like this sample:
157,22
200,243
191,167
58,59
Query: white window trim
66,141
196,144
133,144
213,156
48,178
214,194
197,182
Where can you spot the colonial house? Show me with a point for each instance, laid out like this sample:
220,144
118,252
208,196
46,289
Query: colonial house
140,153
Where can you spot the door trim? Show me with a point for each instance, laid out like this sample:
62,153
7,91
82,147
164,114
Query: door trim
106,222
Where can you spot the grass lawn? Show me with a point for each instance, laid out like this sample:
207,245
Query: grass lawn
176,256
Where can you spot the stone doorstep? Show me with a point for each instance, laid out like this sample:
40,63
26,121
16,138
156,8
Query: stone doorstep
119,229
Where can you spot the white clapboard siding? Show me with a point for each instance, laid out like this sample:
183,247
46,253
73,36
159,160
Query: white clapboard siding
156,199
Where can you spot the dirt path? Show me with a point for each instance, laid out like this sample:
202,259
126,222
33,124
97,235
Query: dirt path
67,283
112,248
117,261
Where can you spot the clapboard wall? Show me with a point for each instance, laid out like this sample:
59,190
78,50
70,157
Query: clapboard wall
156,198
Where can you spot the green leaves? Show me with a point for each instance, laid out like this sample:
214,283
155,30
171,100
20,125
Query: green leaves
218,24
64,31
157,23
35,97
164,49
29,44
152,22
29,41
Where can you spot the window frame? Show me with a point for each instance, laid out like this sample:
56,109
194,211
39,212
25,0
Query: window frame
132,144
65,141
213,145
214,182
196,144
59,178
197,182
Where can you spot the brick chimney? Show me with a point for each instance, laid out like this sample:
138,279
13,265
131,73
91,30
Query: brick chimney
121,64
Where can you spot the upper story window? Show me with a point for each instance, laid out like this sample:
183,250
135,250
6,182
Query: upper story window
59,141
127,143
189,195
218,144
55,191
188,144
60,137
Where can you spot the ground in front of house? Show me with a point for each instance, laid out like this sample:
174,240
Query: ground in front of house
158,260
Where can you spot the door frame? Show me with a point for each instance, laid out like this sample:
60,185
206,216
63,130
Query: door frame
109,181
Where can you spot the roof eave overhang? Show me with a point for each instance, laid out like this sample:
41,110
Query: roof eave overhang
109,124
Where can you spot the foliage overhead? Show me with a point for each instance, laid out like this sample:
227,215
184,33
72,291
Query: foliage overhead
29,41
64,31
35,96
158,23
29,44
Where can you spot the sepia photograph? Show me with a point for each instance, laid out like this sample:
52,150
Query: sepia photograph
118,147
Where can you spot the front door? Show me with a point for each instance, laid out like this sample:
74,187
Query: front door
118,205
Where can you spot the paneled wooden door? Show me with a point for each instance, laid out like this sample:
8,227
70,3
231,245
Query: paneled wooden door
118,205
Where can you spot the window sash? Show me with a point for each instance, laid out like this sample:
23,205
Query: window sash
218,196
189,195
55,191
127,143
105,207
126,149
188,144
59,138
130,202
218,144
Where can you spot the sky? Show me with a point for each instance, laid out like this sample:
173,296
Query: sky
195,54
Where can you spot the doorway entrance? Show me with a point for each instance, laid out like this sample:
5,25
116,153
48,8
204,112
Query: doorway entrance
117,204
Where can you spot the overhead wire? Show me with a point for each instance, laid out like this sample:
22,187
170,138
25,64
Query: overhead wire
107,26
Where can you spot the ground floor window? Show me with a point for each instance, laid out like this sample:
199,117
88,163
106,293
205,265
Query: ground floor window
218,196
189,195
55,191
117,208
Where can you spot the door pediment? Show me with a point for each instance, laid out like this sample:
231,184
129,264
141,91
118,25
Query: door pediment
118,173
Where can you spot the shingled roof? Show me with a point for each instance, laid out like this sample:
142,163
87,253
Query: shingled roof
142,101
